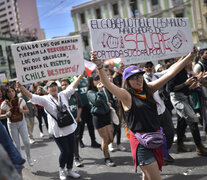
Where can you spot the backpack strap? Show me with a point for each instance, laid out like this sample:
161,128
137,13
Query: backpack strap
202,66
20,102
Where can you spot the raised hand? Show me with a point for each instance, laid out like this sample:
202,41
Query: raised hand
94,59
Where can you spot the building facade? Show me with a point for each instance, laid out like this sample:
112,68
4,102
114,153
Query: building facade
19,17
195,10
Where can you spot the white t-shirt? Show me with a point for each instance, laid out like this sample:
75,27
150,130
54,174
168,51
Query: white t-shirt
50,107
5,106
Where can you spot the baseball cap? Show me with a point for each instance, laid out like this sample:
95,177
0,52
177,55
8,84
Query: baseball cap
49,83
130,71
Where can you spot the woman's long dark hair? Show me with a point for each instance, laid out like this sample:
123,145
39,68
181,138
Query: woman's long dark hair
91,84
126,85
7,90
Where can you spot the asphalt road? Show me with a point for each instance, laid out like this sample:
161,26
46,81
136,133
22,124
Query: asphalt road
188,166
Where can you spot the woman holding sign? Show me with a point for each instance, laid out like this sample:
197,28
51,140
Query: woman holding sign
140,112
63,135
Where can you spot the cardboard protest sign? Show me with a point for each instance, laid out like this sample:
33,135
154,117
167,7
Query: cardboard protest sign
141,40
48,59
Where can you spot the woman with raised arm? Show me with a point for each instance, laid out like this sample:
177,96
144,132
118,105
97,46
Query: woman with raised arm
140,110
63,136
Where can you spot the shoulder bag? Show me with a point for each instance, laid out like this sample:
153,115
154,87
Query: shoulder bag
113,115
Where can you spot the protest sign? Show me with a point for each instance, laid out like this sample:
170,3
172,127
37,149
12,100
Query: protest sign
48,59
3,78
141,39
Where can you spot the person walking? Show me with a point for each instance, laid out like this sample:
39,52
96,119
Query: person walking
86,116
76,109
140,110
14,109
63,136
41,112
100,110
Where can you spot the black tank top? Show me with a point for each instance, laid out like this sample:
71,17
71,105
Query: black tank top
142,116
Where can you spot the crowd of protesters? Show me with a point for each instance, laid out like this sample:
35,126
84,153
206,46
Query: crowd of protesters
143,96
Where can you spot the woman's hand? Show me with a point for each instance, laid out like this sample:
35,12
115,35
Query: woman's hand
18,84
94,59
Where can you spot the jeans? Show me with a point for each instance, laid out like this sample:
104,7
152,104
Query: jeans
20,128
86,117
66,145
13,153
168,127
183,107
76,147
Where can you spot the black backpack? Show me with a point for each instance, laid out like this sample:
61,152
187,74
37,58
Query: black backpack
64,118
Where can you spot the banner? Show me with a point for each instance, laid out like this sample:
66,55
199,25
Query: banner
48,59
141,40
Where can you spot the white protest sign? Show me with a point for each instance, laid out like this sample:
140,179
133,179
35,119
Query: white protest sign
48,59
141,39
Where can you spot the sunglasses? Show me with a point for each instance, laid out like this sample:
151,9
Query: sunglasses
97,78
136,76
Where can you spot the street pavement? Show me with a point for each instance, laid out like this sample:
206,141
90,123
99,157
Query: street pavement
188,166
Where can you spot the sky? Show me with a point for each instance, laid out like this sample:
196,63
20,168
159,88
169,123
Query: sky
55,17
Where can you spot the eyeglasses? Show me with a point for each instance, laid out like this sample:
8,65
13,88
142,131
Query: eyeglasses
136,76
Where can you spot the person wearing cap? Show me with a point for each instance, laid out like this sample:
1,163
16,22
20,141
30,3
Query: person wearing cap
64,137
100,110
140,110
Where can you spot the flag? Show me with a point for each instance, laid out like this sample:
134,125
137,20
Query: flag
90,67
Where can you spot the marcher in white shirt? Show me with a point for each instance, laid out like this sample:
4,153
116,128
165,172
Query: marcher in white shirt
64,137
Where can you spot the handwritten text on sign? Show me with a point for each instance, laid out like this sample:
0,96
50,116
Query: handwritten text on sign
139,40
48,59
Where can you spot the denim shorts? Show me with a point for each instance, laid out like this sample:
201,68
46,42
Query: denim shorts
145,156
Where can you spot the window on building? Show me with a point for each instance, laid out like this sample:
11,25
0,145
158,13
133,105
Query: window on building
10,12
10,18
3,15
115,9
4,21
82,17
98,13
85,41
3,9
8,0
179,15
12,24
1,51
4,27
154,2
205,2
134,9
2,3
9,7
